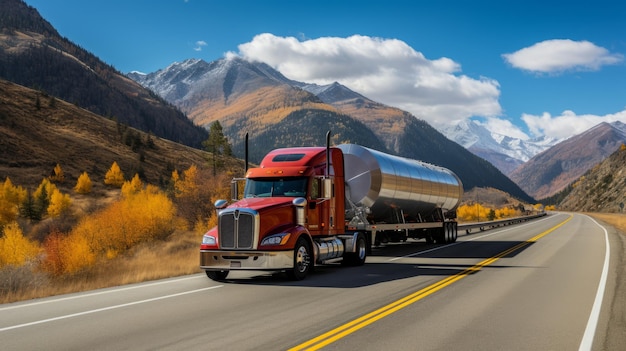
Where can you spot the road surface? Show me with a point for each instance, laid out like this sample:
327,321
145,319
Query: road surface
547,284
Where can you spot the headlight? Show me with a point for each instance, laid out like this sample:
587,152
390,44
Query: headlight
209,240
276,239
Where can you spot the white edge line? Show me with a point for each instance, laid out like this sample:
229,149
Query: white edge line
105,309
592,324
107,291
465,241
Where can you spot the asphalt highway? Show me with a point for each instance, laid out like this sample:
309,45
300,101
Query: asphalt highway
547,284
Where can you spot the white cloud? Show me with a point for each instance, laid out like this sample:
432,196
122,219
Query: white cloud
568,123
559,55
386,70
199,45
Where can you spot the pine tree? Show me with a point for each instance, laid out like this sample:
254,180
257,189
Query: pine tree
217,144
27,208
114,176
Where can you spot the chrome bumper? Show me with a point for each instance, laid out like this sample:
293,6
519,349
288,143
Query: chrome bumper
245,260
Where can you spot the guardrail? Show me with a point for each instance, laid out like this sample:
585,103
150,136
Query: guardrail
499,223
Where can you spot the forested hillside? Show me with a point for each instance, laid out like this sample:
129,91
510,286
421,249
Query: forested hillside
88,202
33,54
601,189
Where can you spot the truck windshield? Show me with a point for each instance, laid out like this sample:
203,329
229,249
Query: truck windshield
276,187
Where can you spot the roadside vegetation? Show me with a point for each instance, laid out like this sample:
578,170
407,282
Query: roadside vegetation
58,238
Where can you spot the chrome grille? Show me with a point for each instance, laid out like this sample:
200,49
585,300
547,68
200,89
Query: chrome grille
237,228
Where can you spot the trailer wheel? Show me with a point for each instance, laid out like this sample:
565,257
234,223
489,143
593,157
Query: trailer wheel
449,235
357,258
455,231
218,276
302,260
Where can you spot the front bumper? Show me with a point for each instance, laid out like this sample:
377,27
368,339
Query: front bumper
216,260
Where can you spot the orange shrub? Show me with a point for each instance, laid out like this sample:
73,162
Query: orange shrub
146,215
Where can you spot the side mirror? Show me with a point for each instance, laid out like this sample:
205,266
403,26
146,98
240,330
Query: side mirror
220,204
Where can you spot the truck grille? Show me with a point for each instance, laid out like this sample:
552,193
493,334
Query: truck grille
238,228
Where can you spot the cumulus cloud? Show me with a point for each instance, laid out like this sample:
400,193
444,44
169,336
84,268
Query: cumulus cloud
559,55
386,70
199,45
568,123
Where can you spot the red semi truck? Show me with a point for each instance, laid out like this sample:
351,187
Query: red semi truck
307,206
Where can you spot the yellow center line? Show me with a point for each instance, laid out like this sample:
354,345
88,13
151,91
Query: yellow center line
365,320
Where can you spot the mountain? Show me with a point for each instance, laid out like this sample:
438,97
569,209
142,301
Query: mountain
256,99
504,152
600,189
551,171
278,112
33,54
37,131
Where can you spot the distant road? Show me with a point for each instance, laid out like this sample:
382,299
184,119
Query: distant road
531,286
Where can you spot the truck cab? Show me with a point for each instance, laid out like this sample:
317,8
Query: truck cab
291,216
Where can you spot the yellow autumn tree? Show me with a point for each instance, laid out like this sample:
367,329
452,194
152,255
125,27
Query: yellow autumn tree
83,184
133,186
15,249
59,203
57,174
114,176
11,197
472,212
187,185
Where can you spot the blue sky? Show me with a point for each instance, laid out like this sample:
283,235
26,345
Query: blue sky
521,68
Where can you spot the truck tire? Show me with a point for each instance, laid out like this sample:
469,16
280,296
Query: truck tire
440,235
218,276
450,233
302,260
357,258
454,233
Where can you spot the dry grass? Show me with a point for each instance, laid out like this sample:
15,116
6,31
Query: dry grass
177,256
617,220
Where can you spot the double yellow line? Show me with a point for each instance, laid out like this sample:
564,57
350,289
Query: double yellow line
361,322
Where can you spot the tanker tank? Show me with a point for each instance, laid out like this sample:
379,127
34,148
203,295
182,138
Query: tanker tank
383,182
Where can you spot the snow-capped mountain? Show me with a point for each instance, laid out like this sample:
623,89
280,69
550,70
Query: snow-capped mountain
278,112
504,152
551,171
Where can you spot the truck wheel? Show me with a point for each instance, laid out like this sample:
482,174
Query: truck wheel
454,232
302,260
218,276
440,235
357,258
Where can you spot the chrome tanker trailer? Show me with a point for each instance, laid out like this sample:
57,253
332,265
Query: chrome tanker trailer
397,197
312,205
